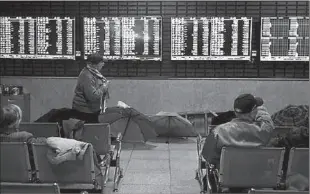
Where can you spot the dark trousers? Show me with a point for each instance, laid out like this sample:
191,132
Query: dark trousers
87,117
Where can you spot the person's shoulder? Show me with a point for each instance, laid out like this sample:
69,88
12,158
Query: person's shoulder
232,122
225,126
19,136
85,74
40,140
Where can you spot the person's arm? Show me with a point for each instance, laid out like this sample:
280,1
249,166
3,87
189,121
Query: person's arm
91,92
211,149
37,140
20,136
264,121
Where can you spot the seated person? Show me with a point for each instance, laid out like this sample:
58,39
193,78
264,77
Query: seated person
10,118
9,132
252,126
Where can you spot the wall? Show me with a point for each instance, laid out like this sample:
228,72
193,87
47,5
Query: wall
152,96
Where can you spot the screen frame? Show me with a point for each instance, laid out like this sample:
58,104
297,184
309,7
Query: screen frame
40,56
128,58
280,58
210,57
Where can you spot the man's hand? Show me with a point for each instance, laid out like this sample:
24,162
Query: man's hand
103,86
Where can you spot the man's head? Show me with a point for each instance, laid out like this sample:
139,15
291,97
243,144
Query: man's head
96,61
12,116
246,105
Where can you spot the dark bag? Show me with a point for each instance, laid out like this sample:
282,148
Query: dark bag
223,117
55,115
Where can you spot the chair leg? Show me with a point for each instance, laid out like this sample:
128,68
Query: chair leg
103,178
199,177
121,173
117,175
106,177
107,170
196,175
213,181
116,178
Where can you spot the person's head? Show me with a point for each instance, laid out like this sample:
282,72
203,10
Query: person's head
245,106
12,116
96,61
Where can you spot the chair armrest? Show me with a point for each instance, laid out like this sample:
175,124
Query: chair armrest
105,159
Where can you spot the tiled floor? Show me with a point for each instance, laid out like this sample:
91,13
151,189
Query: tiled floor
159,168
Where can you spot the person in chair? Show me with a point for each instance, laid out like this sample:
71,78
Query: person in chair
252,127
9,126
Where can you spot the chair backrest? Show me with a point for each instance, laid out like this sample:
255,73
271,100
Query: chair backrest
41,129
98,134
199,122
209,148
251,167
15,162
263,191
298,163
78,171
29,188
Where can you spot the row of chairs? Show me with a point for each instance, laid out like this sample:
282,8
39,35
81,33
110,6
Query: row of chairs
256,168
80,175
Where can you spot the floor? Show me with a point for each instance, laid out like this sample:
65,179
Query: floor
158,167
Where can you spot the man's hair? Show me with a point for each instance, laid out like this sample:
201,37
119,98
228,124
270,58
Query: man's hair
12,116
94,59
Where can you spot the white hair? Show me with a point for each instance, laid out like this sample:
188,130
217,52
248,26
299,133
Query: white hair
19,115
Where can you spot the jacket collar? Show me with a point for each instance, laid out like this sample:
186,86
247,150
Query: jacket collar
94,72
244,119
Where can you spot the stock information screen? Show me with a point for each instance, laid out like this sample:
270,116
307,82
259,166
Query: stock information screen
103,36
284,39
211,38
37,38
127,38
